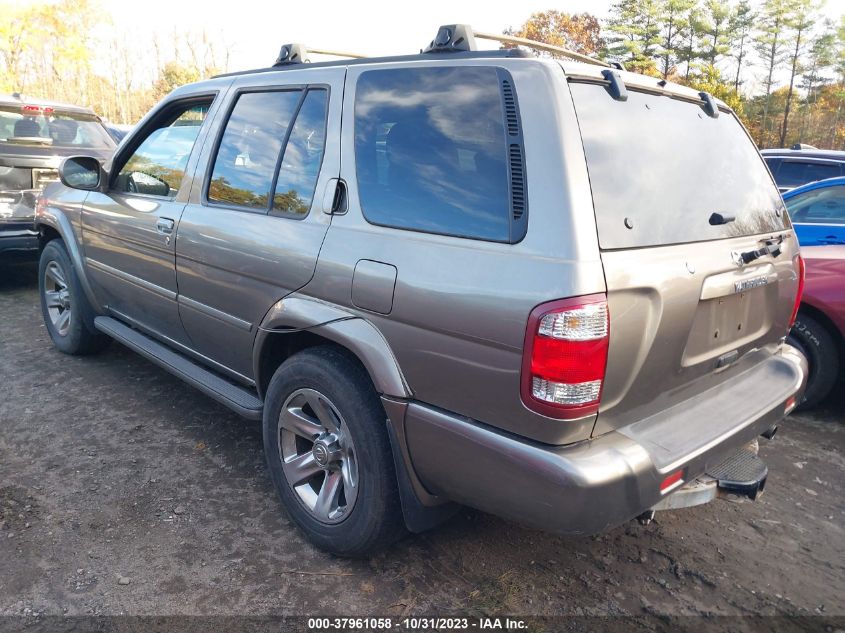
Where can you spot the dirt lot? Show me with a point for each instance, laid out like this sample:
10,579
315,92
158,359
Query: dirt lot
124,491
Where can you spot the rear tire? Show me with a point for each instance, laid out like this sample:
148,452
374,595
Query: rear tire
818,345
68,315
350,504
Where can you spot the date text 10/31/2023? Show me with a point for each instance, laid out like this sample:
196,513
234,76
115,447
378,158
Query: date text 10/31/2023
416,624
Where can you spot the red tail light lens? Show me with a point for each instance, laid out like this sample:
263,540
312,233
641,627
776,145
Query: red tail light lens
565,357
800,293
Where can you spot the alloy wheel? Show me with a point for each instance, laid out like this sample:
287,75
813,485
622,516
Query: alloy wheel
57,298
318,455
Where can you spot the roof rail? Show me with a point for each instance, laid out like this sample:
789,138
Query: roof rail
541,46
298,54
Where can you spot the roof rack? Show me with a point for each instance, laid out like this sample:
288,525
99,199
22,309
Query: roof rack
460,37
542,46
298,54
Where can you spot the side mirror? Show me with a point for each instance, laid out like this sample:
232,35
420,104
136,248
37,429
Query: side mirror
81,172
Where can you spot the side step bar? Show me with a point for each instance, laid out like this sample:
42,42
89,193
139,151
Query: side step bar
240,400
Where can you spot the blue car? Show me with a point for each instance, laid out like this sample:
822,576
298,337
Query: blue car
817,210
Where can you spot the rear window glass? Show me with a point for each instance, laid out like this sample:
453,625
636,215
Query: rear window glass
662,166
431,151
49,127
793,173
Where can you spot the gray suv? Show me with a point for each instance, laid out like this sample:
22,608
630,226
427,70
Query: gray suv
35,136
553,291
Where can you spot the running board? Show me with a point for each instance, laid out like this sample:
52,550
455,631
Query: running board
238,399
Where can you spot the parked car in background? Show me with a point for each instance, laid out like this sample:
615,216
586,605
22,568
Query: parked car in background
818,211
35,136
819,330
117,130
436,279
802,164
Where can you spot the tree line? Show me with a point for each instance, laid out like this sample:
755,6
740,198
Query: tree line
778,63
69,51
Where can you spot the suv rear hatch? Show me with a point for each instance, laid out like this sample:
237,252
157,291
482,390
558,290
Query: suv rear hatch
679,195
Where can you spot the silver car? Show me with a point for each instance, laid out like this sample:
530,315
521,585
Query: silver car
551,290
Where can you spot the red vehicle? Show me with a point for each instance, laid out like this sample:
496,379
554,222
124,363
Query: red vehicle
819,331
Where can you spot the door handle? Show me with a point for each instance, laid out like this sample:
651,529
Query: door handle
165,226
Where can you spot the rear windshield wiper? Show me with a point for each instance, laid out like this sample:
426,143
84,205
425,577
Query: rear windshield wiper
772,247
721,218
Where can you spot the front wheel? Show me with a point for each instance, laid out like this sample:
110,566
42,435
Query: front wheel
68,315
329,454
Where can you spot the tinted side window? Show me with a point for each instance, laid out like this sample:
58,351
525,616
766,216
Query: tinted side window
795,173
302,157
157,166
249,149
820,206
431,151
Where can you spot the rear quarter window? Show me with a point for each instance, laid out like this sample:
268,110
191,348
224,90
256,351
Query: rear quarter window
432,151
794,173
662,167
819,206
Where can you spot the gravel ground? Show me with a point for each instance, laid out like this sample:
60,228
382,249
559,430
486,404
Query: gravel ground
124,491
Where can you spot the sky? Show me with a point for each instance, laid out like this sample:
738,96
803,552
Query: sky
253,31
256,30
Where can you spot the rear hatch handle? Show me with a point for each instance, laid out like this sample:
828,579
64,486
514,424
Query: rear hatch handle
771,247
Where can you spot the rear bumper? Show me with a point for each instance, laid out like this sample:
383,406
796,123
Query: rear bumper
18,240
594,485
17,221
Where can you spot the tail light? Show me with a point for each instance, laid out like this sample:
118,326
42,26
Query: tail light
800,292
565,357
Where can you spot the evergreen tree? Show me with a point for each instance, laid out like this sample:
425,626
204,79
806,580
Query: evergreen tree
689,53
634,33
673,15
740,25
821,57
769,44
714,30
800,19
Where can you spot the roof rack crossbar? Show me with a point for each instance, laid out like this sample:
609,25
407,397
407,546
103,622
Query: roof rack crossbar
541,46
325,51
298,54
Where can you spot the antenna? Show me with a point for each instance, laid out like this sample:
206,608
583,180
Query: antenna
541,46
